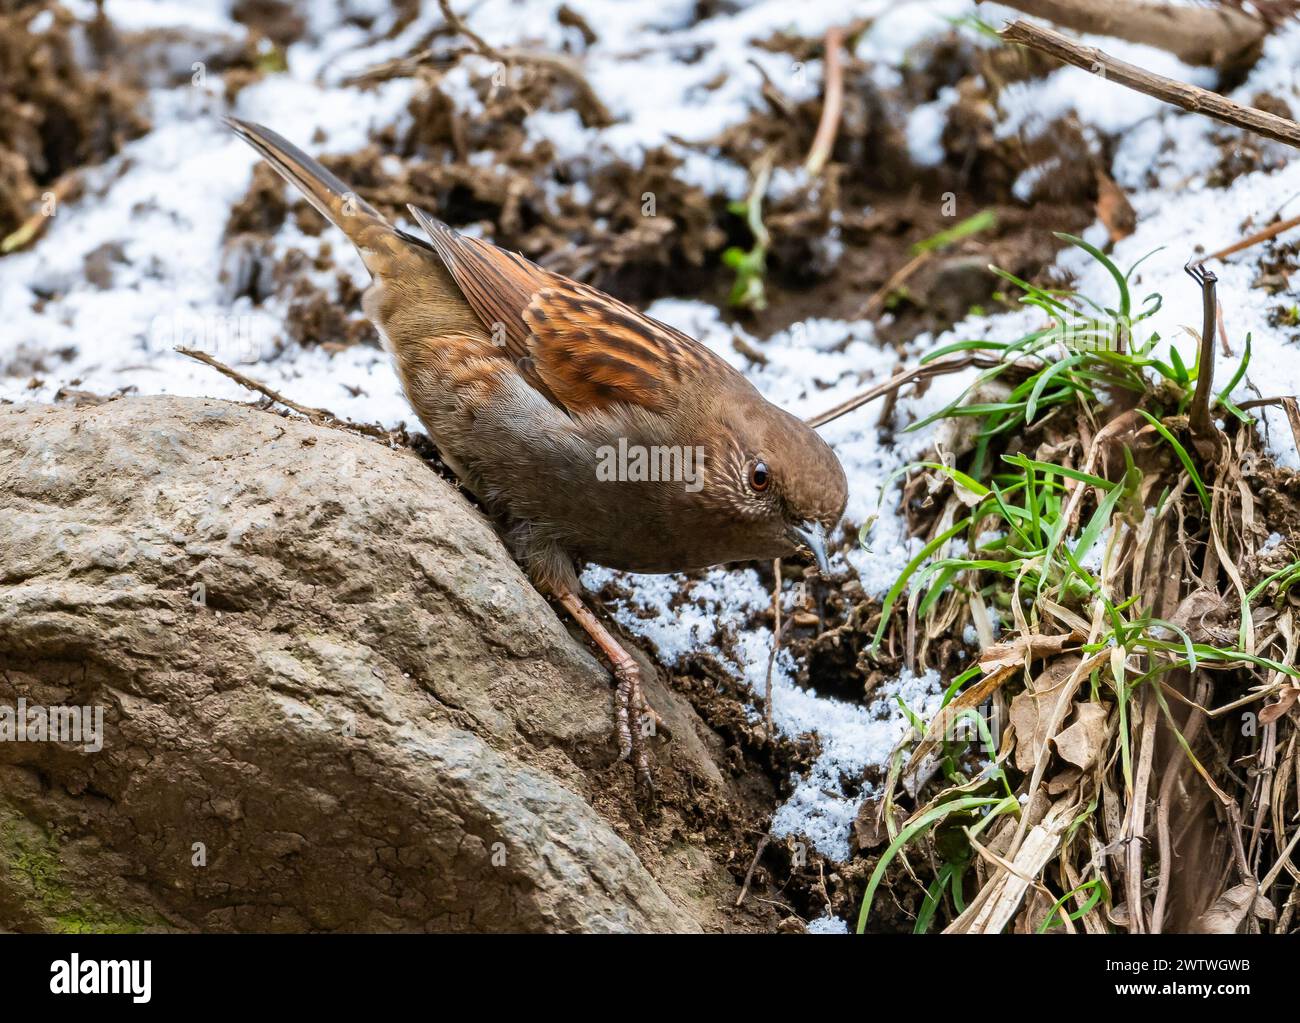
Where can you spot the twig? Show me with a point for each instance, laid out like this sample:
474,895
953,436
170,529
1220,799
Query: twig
774,96
397,67
1180,94
30,229
832,107
901,380
316,415
1292,410
749,874
876,302
1196,35
1276,399
458,25
777,628
1254,239
1204,433
593,112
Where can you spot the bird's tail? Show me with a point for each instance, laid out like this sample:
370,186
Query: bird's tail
414,295
420,311
364,225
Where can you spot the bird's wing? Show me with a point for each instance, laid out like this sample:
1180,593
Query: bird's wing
581,348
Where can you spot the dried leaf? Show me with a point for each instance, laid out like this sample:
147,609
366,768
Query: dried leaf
1113,208
1030,715
869,829
1063,781
1081,743
1193,608
1231,908
1033,913
1031,711
1021,649
1285,701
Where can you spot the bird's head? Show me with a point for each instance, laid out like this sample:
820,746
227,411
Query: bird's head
779,483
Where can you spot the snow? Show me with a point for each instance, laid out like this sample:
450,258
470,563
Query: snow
1272,543
827,925
166,199
852,737
925,129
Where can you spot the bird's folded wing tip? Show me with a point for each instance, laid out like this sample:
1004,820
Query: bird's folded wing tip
428,221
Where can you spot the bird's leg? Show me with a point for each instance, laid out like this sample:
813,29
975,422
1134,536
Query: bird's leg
628,698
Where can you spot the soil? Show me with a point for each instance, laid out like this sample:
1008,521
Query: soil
57,114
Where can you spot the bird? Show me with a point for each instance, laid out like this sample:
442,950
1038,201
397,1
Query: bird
591,432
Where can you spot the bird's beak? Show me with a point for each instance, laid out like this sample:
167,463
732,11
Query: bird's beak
813,536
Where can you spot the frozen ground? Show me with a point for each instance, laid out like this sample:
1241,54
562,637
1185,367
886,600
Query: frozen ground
166,200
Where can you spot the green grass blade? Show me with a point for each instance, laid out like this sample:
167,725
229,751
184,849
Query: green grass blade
1182,454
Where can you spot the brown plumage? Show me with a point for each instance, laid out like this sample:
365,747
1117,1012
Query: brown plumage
543,393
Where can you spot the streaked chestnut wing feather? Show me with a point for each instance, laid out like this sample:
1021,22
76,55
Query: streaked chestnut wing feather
497,284
581,348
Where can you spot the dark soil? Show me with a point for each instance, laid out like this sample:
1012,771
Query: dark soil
56,113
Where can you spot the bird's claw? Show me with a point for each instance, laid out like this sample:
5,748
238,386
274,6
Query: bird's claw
631,740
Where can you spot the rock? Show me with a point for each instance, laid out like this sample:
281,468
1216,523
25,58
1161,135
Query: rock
330,699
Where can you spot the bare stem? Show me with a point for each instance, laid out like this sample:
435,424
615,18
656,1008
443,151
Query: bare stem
1180,94
832,106
901,379
316,415
1196,35
1272,231
1199,420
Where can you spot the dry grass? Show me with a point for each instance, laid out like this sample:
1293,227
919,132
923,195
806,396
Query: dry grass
1125,756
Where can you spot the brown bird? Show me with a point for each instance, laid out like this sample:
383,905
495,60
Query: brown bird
594,432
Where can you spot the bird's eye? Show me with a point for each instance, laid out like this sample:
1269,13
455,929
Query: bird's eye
759,477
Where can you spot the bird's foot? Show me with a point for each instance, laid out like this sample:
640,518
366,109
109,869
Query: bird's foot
637,721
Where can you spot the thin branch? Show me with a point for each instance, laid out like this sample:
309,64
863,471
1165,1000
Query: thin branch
459,26
316,415
832,106
1180,94
31,228
901,379
749,874
1276,399
1199,420
877,301
778,627
1259,236
774,96
593,112
1196,35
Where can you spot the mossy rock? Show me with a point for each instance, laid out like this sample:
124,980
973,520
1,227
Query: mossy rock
37,890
